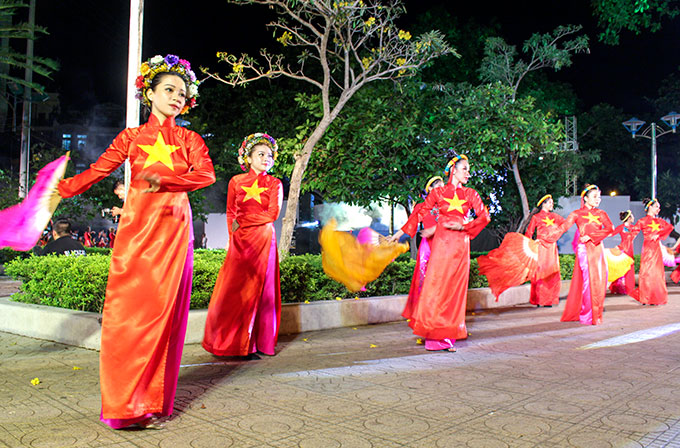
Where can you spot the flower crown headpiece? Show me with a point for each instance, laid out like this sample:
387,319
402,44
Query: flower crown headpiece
252,140
168,64
544,198
432,180
588,188
452,162
650,202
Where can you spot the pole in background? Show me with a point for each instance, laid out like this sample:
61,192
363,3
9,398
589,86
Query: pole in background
134,62
26,114
653,160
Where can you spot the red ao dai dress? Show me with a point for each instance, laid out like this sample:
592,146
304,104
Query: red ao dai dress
149,286
429,220
625,284
440,314
245,308
589,281
652,278
545,286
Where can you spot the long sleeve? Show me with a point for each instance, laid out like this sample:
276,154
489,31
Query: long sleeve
231,204
108,162
483,218
272,212
666,229
416,217
571,219
532,227
598,235
201,173
617,230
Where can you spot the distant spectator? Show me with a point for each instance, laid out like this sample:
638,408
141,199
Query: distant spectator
112,236
118,190
62,243
87,237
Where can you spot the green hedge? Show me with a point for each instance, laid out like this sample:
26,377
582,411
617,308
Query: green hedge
7,255
80,282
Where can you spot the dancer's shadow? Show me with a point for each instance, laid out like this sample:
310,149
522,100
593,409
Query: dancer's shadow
200,374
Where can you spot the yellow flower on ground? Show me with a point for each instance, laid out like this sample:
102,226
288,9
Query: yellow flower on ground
304,339
35,381
338,298
372,346
306,301
420,341
76,368
405,35
356,297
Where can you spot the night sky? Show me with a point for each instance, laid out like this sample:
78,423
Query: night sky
90,42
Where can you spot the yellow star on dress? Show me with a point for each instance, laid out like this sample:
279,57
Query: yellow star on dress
592,218
159,152
253,192
655,226
548,221
456,203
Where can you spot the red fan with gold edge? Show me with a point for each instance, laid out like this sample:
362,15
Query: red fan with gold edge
23,224
511,264
351,263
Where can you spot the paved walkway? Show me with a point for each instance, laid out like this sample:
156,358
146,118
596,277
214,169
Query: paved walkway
522,379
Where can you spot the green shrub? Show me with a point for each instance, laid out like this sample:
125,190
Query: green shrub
476,279
207,265
80,282
567,266
98,250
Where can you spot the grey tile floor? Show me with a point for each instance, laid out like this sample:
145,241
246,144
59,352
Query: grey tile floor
522,379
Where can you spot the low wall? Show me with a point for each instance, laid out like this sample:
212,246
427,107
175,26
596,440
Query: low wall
82,328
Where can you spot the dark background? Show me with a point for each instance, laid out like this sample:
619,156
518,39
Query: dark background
89,39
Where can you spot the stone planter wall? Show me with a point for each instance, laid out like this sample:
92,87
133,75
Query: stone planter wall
82,329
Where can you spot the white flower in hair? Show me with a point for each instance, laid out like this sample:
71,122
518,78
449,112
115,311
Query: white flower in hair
193,90
156,59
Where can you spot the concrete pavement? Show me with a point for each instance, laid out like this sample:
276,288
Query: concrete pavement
522,379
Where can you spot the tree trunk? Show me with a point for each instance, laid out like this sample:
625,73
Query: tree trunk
301,161
522,192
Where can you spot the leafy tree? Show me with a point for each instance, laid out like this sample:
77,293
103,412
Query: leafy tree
11,60
227,115
601,133
615,16
348,44
21,31
497,132
387,145
466,35
501,64
668,185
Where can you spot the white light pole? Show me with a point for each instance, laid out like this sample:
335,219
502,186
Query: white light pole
25,155
633,126
134,62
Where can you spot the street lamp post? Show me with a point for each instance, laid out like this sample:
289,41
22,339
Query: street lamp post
633,126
